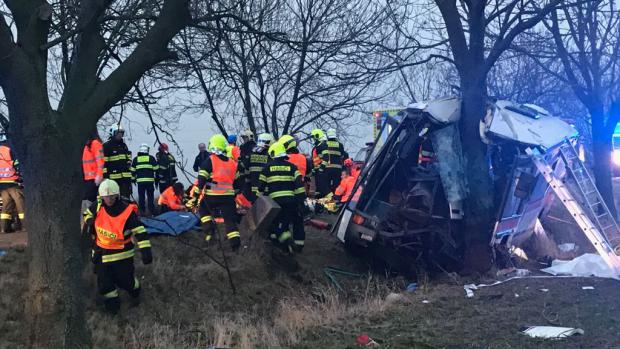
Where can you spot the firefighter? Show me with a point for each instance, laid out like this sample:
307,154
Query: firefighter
144,172
344,191
318,138
117,159
254,164
10,191
332,157
245,149
167,167
281,181
232,150
218,179
172,199
92,166
115,226
203,154
294,156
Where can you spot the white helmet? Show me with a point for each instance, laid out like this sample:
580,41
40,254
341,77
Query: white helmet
331,133
116,128
247,134
2,137
264,140
109,188
144,148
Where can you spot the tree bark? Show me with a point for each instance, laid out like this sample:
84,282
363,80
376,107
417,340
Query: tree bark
479,202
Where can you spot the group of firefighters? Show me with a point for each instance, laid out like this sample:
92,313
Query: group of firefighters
228,176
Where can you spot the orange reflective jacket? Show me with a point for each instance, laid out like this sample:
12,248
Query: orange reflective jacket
223,176
170,199
7,169
299,160
110,233
92,160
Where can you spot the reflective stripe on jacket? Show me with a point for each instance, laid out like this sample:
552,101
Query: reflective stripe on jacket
8,174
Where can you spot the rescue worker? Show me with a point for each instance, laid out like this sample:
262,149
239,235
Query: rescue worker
318,138
254,165
144,172
167,167
426,155
172,199
332,157
294,156
114,226
303,164
232,150
218,179
245,149
281,181
11,193
117,159
92,166
344,191
203,154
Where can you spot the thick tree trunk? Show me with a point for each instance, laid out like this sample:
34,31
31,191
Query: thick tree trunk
52,179
601,149
479,202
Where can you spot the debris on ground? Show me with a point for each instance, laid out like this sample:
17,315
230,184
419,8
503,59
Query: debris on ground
585,265
364,339
551,332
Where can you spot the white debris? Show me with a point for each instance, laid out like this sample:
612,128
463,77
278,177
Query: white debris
551,331
585,265
587,287
568,247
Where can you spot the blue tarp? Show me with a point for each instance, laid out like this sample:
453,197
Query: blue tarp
171,223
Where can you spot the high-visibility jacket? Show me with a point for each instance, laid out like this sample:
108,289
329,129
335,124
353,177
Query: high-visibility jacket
300,161
114,228
8,173
233,152
117,160
332,154
221,172
170,199
167,168
144,168
92,160
316,158
345,189
254,165
282,182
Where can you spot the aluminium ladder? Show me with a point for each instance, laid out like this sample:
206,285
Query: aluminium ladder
591,228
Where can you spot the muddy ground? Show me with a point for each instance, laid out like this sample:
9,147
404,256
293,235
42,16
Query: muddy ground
188,303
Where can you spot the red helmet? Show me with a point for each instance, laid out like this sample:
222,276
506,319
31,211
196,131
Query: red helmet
163,147
348,163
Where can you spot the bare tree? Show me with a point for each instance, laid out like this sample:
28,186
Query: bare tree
50,123
587,43
479,32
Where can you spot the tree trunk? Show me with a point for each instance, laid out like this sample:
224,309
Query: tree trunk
479,202
601,149
53,184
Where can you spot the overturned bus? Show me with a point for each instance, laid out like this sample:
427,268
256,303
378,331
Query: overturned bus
409,211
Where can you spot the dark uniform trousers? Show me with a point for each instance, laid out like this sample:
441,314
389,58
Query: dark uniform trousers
218,205
146,191
116,274
290,214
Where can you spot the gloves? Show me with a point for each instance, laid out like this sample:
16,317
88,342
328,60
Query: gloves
98,180
147,256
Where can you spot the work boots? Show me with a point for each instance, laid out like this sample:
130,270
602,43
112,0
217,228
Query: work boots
5,224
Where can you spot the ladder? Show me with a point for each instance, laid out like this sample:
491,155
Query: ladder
581,217
598,210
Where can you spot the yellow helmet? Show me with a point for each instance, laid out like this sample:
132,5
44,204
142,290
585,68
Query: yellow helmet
277,150
288,142
317,134
218,144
